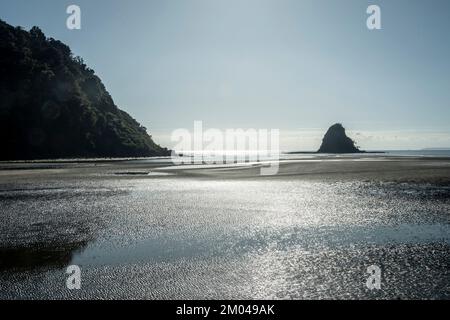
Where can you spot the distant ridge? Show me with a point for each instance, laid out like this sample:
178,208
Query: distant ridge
53,106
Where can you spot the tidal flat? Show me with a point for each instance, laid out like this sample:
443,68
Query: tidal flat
144,229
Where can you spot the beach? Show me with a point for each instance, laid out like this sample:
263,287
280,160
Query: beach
146,229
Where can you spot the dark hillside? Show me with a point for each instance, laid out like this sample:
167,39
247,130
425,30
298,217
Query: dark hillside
53,106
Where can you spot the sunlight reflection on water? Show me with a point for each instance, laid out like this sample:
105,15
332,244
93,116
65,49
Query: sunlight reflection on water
186,238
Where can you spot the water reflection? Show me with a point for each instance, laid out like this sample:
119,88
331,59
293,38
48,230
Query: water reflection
192,238
39,256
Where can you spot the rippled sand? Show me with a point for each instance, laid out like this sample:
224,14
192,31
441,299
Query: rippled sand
142,229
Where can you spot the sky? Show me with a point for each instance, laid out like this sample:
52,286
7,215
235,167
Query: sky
293,65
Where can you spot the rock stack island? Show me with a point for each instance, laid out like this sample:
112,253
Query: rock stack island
337,141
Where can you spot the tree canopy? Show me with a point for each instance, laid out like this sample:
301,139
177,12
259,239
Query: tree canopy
53,106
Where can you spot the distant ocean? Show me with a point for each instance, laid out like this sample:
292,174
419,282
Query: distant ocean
308,155
406,153
283,155
424,153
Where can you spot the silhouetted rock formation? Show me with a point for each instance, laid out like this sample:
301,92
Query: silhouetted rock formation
53,106
336,141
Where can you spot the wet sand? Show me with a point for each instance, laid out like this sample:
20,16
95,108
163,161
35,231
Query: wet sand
360,168
144,229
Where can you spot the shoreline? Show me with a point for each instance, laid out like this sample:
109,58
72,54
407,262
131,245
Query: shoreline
335,168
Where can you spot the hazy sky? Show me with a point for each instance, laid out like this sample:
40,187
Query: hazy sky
298,66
